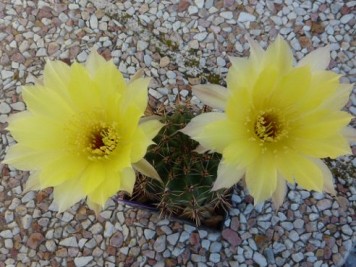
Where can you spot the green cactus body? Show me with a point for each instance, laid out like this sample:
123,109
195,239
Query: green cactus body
187,176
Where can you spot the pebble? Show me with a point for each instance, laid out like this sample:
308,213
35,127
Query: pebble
6,234
142,45
287,225
93,22
82,261
246,17
117,239
231,236
298,224
346,18
96,228
227,15
34,240
214,257
200,36
259,259
18,106
5,74
293,235
346,229
160,244
4,108
173,238
324,204
149,234
148,60
192,10
199,3
69,242
297,257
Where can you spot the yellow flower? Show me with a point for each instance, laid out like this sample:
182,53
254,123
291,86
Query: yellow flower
83,133
279,120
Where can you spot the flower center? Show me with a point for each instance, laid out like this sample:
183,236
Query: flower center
102,140
269,127
88,135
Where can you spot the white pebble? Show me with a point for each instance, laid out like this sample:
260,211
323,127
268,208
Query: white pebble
6,74
214,257
93,22
199,3
246,17
200,36
18,106
6,234
297,257
192,10
69,242
346,18
227,15
173,238
4,108
82,261
141,45
259,259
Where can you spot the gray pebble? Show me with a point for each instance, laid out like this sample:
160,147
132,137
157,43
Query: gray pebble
82,261
160,244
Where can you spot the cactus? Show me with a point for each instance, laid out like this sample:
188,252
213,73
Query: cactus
187,176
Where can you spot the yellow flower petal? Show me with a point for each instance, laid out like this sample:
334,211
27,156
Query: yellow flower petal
291,89
227,175
93,176
279,55
25,158
327,176
55,106
52,174
309,177
197,124
67,194
33,182
144,167
128,179
217,135
236,80
56,77
95,62
242,152
105,190
318,59
340,97
137,93
139,149
332,147
265,84
256,51
317,125
151,127
211,94
261,178
280,192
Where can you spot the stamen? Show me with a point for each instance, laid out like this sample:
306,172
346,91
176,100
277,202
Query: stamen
102,141
269,126
90,138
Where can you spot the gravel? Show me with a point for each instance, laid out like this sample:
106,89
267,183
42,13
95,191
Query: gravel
178,43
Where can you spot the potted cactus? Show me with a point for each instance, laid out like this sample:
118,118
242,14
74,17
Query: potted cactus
187,176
